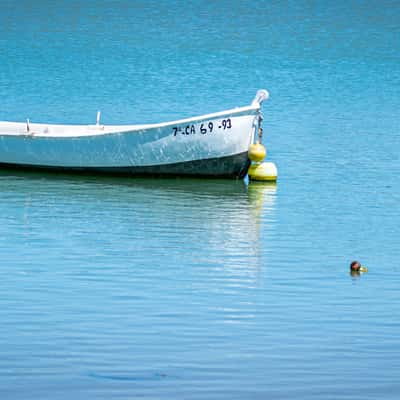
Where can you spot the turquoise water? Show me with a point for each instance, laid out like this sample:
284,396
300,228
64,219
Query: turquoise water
193,289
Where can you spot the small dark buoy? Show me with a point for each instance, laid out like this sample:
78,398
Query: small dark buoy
355,266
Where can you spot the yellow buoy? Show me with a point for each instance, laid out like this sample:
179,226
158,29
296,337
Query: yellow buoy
265,171
257,152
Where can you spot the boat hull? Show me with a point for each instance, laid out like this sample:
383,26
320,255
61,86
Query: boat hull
209,145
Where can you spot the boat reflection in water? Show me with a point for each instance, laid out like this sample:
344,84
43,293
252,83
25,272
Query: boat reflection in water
178,223
120,263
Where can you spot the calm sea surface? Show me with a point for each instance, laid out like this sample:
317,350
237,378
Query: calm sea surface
119,288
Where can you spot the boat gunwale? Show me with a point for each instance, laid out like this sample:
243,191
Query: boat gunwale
75,131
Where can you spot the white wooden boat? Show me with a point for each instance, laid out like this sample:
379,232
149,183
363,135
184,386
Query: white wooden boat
208,145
